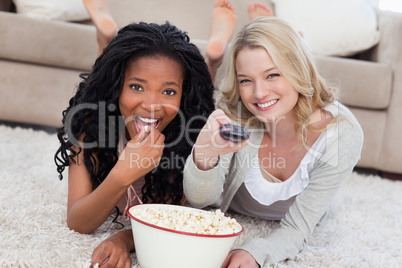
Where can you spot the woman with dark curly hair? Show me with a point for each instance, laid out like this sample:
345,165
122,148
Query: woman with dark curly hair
130,127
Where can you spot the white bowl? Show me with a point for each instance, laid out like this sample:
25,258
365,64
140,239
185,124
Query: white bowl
158,247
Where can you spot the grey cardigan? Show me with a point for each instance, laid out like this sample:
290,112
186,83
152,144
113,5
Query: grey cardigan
217,186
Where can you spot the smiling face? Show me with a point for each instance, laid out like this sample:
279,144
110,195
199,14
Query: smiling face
151,93
264,91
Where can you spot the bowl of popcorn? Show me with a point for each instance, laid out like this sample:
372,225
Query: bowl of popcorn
169,236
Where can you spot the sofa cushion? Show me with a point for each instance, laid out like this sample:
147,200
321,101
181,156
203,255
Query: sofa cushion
364,84
67,10
332,28
54,43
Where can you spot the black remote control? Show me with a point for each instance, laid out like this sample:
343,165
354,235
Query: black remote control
234,133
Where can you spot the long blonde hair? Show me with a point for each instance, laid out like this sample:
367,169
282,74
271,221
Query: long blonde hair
292,57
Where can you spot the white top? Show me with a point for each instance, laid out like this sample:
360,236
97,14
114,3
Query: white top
259,197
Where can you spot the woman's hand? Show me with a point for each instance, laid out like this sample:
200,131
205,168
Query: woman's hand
210,144
240,259
141,154
87,208
114,251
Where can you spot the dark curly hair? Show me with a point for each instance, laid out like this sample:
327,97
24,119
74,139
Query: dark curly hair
94,114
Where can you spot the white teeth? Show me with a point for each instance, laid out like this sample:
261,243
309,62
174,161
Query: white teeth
148,120
267,104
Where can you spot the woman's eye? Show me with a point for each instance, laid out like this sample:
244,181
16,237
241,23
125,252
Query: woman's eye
169,92
136,87
273,75
244,81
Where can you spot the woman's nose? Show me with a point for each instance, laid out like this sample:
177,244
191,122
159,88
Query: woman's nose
261,90
151,104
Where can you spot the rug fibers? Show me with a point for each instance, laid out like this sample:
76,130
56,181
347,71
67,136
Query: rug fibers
363,229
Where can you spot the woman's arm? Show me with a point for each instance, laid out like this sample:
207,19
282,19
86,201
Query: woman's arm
204,188
329,172
207,165
87,209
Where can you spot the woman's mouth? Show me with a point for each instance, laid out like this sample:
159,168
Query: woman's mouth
266,105
142,121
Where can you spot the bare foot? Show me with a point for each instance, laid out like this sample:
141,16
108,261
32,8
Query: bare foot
106,27
257,9
223,22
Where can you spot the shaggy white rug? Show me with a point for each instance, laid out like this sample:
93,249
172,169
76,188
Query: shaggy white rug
364,227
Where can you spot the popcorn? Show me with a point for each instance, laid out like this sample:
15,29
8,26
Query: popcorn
191,221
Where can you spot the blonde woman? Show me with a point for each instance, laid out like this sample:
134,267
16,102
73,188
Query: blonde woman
303,142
